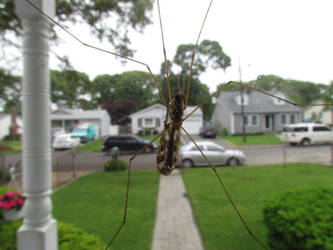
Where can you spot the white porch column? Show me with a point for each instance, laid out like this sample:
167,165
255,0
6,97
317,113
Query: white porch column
39,230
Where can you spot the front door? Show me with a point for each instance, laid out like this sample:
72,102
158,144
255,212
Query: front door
268,120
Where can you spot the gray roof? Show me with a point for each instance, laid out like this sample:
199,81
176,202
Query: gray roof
76,114
188,110
257,102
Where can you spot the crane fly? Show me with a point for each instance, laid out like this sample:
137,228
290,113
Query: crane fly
168,150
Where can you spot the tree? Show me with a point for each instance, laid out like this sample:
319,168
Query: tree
198,92
10,91
208,54
119,111
103,88
124,14
71,88
137,86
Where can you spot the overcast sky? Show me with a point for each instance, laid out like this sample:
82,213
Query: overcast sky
289,38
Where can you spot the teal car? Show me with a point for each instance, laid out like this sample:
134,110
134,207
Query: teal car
85,133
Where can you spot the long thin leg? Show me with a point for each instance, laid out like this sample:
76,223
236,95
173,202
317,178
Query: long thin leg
252,88
100,49
127,188
164,52
193,54
226,192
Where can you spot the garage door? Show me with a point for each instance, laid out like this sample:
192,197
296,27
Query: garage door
192,125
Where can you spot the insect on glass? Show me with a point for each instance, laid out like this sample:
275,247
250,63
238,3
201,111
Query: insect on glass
168,150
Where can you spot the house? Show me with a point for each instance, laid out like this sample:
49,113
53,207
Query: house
318,113
67,118
5,123
263,113
153,118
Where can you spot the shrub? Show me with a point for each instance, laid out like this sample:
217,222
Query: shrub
223,132
147,131
69,237
115,165
141,132
5,175
300,219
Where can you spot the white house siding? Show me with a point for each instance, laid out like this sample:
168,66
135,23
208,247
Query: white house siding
193,124
158,111
69,117
5,121
319,113
154,112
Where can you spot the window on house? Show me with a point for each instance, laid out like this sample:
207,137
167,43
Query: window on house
246,120
254,120
292,118
140,122
283,119
149,122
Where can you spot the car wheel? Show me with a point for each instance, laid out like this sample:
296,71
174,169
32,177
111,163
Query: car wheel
233,161
187,163
305,142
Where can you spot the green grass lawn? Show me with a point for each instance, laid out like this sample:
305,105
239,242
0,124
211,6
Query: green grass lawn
92,146
249,186
16,146
253,139
95,203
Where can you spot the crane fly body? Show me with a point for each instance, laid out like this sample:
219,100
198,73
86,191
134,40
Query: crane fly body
168,150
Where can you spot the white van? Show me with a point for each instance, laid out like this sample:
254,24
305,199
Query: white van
306,134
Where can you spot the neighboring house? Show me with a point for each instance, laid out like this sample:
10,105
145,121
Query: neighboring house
153,118
5,122
67,118
318,113
263,113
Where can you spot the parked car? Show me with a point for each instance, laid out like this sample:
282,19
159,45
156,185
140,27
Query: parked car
215,153
208,131
84,132
127,143
306,134
65,141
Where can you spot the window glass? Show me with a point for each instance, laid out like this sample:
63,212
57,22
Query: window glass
283,119
321,129
301,129
254,120
213,148
194,148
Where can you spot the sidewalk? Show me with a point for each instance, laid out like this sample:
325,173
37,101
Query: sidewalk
175,228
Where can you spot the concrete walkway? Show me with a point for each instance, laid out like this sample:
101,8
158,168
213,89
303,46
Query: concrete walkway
175,228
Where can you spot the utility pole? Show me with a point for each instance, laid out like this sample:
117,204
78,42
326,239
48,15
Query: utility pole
39,229
242,104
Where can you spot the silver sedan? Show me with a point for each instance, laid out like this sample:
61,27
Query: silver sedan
216,154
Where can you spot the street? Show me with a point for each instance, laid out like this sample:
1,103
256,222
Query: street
255,155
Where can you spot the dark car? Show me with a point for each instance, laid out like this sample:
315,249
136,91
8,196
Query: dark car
127,143
208,131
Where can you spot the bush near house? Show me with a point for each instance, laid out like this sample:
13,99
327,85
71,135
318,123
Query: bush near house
115,165
300,219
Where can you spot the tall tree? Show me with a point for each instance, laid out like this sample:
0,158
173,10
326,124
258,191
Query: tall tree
10,91
71,88
137,86
208,54
198,92
124,14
